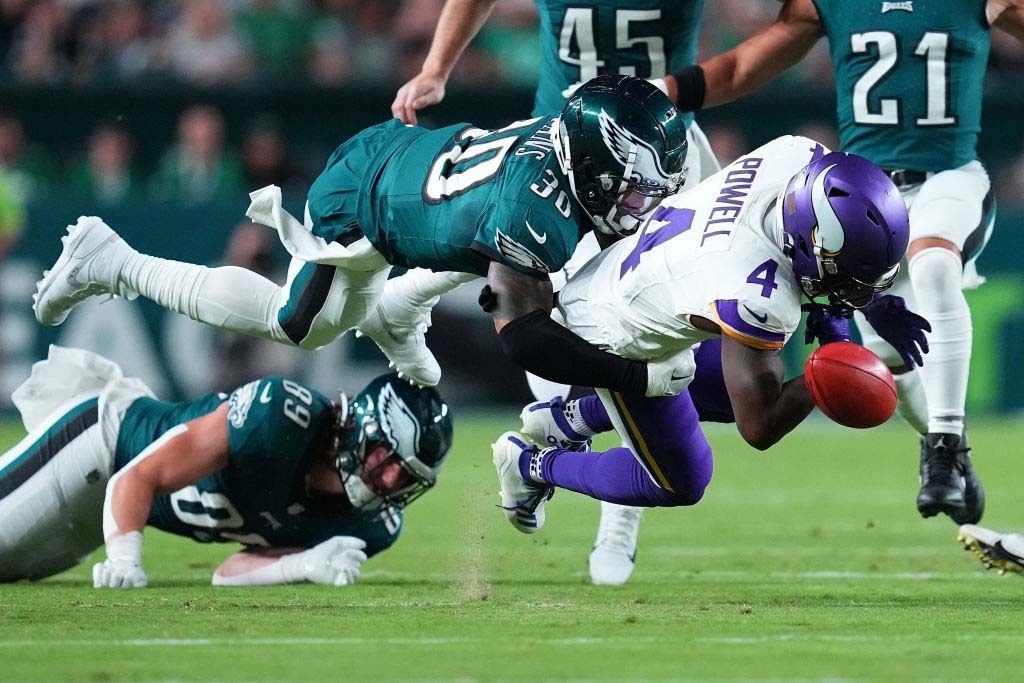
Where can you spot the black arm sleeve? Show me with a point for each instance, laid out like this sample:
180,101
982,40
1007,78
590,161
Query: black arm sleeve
690,88
538,344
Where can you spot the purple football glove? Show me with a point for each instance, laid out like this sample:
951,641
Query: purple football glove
826,323
903,329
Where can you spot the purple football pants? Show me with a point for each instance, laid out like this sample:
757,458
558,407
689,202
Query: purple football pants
668,462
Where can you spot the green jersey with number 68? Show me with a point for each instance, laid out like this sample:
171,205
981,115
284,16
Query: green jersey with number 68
259,498
452,199
581,40
909,78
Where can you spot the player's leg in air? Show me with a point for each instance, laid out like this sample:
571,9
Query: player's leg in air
951,217
1004,552
334,281
317,303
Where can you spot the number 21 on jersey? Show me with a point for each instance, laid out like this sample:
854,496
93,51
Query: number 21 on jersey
933,48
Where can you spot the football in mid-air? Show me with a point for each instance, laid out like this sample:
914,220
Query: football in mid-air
851,385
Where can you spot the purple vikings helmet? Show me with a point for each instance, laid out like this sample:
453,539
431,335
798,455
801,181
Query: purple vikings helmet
846,228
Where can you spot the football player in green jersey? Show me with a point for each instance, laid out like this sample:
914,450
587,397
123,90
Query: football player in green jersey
509,204
909,77
308,486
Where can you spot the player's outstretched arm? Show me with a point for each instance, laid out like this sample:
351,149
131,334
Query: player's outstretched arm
752,63
459,23
335,562
182,456
766,407
1007,15
521,306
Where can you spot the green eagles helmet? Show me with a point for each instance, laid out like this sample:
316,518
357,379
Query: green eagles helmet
414,427
622,145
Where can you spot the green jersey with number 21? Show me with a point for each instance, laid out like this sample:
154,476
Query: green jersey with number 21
909,79
581,40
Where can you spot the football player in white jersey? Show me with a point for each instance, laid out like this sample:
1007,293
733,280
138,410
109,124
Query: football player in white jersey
731,258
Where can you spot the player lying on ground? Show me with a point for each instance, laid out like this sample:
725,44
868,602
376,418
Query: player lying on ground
730,258
1004,552
499,204
909,84
311,488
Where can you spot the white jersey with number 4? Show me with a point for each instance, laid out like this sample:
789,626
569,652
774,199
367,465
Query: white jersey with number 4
715,251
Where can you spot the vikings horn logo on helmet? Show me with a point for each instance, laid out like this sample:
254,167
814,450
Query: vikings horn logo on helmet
829,233
623,145
397,422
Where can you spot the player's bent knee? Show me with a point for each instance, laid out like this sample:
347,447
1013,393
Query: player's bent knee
689,482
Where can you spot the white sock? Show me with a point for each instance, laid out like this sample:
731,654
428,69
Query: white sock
936,274
912,403
228,297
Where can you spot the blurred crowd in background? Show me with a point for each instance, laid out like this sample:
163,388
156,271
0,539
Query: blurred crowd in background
248,44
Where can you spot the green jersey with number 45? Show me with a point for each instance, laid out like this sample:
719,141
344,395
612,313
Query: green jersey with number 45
452,199
259,498
909,79
581,40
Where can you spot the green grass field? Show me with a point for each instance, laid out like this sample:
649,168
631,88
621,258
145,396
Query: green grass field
807,562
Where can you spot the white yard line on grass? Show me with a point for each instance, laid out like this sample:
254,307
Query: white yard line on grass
561,642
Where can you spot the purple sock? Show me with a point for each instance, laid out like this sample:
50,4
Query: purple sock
614,476
594,414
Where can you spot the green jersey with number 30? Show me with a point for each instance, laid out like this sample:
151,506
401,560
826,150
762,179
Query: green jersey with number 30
259,499
583,39
452,199
909,78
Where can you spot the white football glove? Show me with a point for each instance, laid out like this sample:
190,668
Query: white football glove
670,375
335,562
123,566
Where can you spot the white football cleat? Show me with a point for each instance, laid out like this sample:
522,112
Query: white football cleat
1004,552
399,332
545,422
614,554
89,265
521,501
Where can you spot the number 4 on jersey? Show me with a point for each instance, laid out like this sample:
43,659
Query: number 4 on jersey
764,275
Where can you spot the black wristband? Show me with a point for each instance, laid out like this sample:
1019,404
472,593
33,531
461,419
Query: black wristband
538,344
690,88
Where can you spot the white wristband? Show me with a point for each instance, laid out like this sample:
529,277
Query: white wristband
126,547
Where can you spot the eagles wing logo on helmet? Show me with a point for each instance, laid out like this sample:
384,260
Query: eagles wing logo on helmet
621,142
398,423
517,253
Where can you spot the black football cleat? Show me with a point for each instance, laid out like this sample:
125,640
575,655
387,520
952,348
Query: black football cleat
948,481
